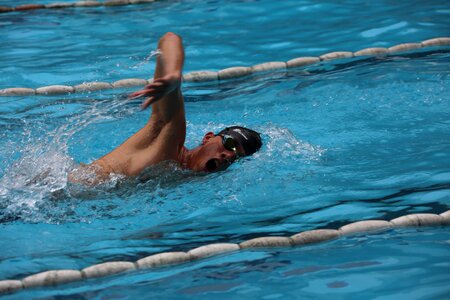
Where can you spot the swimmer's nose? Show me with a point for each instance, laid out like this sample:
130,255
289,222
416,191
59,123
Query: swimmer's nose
228,156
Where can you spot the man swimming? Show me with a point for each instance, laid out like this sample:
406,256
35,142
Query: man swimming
162,138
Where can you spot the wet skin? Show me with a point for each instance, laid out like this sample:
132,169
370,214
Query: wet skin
163,137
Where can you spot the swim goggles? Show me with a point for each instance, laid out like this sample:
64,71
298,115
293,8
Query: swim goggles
229,143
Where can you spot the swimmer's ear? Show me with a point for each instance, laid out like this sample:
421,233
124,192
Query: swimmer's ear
207,136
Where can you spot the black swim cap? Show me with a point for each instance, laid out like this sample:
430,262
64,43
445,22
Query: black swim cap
249,139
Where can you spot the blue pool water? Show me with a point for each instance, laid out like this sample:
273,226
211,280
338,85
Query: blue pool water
343,142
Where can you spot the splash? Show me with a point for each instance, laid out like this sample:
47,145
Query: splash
30,185
137,66
146,59
282,143
35,188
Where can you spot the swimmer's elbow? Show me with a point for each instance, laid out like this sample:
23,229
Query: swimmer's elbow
170,36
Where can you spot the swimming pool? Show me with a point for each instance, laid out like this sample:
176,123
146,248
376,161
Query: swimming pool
343,142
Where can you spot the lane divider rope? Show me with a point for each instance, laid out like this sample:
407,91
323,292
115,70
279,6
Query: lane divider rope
56,277
59,5
233,72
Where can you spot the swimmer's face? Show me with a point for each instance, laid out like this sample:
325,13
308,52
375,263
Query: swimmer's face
213,155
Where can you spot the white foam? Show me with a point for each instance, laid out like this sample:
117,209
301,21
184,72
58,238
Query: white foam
40,175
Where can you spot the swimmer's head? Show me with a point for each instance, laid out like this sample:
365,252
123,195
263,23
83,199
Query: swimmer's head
249,141
218,151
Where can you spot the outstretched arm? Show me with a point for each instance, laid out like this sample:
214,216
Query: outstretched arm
164,92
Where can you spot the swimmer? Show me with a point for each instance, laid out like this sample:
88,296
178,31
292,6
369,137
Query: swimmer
163,137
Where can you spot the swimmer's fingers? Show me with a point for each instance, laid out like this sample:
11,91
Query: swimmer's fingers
147,90
142,93
137,94
155,96
149,101
156,82
154,85
167,83
155,91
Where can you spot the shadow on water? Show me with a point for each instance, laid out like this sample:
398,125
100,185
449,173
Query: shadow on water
391,198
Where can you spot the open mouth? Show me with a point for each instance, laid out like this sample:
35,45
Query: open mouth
212,165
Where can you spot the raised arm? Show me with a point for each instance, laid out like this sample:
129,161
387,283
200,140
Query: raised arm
162,138
164,92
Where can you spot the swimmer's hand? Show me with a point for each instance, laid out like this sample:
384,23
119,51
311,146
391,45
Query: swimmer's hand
157,89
